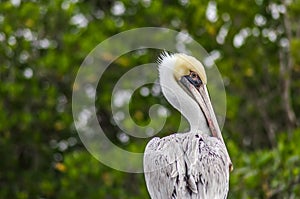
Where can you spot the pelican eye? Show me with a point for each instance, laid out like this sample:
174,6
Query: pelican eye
194,79
194,75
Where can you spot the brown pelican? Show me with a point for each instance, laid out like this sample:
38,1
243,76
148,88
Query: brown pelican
194,164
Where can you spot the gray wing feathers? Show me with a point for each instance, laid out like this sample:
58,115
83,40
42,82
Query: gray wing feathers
159,167
187,166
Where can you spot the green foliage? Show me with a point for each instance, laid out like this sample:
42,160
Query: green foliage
267,173
84,177
42,46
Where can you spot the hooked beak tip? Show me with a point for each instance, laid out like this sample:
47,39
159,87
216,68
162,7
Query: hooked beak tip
230,167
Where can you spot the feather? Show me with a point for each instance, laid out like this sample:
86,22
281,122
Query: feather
172,175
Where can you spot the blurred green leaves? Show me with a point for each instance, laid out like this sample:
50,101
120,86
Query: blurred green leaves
268,173
42,45
84,176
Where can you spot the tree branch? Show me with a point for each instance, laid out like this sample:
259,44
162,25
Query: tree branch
286,65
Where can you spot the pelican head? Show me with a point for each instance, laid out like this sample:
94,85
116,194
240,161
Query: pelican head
183,81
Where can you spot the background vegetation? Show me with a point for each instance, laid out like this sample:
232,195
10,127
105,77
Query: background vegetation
43,43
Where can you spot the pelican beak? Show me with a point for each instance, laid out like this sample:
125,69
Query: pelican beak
200,94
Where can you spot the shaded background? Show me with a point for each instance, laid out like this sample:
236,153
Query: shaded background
255,45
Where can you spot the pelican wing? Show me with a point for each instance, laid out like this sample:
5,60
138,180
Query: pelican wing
186,166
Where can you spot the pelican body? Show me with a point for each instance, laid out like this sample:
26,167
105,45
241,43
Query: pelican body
195,164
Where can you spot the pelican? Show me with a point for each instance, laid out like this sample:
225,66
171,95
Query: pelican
194,164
